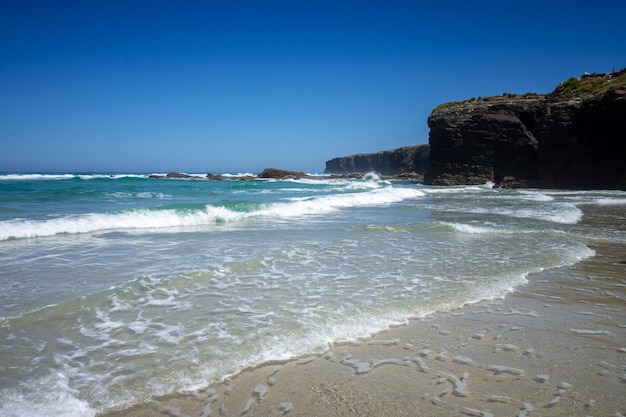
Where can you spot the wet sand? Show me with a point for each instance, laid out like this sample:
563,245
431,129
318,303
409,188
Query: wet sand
554,347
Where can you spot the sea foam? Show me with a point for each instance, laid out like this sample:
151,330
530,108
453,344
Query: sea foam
30,177
57,399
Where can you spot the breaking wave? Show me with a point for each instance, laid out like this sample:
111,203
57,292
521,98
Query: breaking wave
205,216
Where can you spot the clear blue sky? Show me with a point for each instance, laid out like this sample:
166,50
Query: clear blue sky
203,86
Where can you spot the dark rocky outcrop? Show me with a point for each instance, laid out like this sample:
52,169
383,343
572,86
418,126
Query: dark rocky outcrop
484,141
574,137
282,174
406,160
178,175
171,175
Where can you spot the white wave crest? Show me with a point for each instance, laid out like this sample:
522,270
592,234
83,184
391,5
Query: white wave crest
152,219
13,177
31,177
57,400
563,213
610,201
477,230
536,196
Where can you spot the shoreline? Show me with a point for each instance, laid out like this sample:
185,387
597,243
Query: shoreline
555,346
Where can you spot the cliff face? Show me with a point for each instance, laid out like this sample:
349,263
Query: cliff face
392,162
574,137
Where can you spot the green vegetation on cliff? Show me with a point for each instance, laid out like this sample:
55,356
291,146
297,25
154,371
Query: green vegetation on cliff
454,103
594,84
485,99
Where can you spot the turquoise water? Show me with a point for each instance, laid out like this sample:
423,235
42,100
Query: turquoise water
116,288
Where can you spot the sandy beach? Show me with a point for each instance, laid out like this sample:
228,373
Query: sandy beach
554,347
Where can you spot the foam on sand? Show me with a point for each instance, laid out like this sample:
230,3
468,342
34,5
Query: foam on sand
436,365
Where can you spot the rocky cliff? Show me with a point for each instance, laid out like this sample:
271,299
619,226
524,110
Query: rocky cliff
409,159
574,137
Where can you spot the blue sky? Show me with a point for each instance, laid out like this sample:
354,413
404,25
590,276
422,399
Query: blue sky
237,86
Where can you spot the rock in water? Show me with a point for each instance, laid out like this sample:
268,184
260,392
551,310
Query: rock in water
281,174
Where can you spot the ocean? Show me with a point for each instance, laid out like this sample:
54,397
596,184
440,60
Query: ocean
116,288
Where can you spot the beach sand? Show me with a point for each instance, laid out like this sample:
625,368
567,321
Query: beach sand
554,347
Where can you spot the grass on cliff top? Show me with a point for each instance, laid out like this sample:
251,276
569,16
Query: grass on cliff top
385,151
595,84
473,99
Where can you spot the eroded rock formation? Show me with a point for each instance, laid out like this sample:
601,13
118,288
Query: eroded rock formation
574,137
